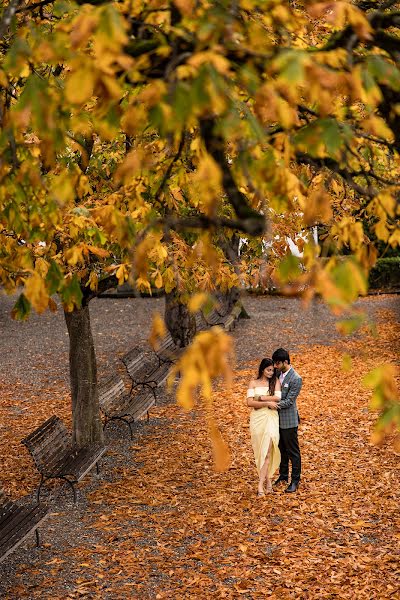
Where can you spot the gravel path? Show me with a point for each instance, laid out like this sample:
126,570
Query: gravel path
34,364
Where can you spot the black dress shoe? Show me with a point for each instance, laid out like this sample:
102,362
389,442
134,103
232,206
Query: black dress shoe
279,480
292,487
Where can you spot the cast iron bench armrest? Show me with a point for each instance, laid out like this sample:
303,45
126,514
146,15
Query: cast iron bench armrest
145,371
116,404
227,321
168,351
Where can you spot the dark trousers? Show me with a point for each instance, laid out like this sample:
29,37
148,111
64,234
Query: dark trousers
290,450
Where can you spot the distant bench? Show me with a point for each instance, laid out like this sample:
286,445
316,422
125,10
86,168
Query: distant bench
118,404
145,370
55,457
167,351
17,522
227,321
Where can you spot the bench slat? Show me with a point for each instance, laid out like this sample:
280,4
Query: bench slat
138,406
112,395
17,519
79,464
17,522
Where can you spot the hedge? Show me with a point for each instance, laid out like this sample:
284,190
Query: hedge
385,274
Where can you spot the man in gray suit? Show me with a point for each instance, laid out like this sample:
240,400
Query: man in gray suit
291,383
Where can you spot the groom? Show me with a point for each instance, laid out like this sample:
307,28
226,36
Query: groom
291,383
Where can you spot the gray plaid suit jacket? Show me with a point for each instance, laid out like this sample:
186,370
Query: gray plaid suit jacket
287,406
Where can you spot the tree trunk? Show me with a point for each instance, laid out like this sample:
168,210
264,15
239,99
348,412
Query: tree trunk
230,248
226,300
86,422
180,322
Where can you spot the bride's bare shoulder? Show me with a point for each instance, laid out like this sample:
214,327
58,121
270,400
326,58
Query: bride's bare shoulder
253,383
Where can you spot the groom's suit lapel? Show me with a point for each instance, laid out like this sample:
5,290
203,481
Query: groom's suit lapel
287,380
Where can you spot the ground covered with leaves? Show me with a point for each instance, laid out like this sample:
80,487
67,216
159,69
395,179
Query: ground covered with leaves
160,522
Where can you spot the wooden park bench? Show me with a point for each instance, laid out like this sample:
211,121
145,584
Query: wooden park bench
144,371
55,457
227,321
201,323
214,318
17,522
233,316
117,404
167,351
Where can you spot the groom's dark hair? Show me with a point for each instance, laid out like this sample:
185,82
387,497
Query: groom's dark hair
281,355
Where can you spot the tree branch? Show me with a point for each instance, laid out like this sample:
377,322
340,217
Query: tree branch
169,169
36,5
334,166
250,220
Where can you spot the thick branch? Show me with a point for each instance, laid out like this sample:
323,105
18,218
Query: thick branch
103,285
251,221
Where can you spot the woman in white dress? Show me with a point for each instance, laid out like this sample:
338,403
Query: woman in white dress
263,395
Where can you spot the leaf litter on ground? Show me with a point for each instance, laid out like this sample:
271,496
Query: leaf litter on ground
166,525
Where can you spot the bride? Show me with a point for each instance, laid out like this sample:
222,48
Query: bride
263,396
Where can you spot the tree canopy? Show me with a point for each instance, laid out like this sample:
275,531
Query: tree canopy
135,134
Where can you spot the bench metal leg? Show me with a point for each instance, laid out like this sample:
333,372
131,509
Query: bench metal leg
126,422
130,427
37,537
97,468
39,488
71,485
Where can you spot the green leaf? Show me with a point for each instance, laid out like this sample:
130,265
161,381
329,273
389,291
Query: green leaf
21,309
384,72
61,7
54,278
373,378
72,293
323,137
289,268
349,326
290,65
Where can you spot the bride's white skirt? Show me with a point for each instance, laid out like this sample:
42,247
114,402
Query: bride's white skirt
264,429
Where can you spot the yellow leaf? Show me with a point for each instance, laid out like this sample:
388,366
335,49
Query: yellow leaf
221,454
197,301
82,29
388,202
122,274
52,305
36,292
185,6
101,252
80,85
346,363
74,255
158,331
93,281
219,62
158,281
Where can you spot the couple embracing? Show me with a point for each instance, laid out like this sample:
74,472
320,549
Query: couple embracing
274,421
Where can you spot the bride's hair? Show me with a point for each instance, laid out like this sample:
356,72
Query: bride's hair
268,362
